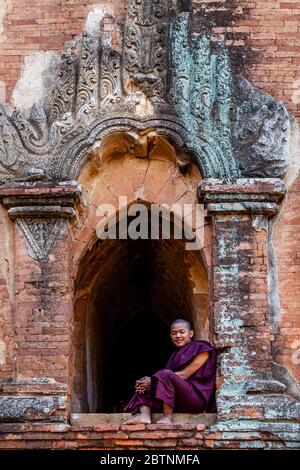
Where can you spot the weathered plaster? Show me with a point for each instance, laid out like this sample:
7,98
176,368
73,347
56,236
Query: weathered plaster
3,5
290,177
293,152
273,282
31,408
2,352
7,231
95,16
35,79
283,375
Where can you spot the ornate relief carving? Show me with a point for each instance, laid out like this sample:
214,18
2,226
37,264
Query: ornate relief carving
260,137
111,90
87,91
40,234
14,160
201,94
230,128
31,408
146,45
64,93
40,210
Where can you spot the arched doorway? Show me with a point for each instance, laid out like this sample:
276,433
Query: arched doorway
127,294
140,348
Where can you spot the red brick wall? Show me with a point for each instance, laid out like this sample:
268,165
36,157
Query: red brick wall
138,437
264,36
264,41
6,295
287,249
42,25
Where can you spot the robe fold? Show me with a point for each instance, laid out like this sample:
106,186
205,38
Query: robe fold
194,395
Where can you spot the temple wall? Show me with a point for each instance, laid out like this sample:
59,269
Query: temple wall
6,295
286,242
263,38
190,436
264,43
153,180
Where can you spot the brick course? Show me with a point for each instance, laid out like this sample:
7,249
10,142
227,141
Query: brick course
117,437
264,42
287,250
263,37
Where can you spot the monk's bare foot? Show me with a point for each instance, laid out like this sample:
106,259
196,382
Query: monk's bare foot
139,419
165,420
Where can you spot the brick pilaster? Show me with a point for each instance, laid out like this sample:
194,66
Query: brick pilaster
43,312
239,214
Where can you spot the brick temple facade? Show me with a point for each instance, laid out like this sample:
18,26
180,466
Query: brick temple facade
165,103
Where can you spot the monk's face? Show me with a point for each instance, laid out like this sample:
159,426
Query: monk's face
181,334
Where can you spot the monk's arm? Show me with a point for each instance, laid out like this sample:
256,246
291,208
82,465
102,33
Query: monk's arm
194,365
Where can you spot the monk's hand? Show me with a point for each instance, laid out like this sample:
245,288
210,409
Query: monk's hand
142,385
181,374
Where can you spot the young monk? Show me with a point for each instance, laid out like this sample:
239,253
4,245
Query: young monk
187,384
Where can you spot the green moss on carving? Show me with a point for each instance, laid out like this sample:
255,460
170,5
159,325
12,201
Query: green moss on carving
201,94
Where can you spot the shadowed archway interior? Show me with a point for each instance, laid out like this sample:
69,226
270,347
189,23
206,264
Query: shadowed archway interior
141,347
127,294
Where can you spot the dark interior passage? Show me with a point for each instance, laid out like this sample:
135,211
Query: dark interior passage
141,348
128,292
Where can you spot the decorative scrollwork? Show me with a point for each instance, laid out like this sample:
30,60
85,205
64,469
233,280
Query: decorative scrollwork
40,234
146,46
14,161
111,91
201,94
64,93
87,90
260,137
229,127
33,132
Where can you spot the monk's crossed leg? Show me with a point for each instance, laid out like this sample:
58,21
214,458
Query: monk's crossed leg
178,393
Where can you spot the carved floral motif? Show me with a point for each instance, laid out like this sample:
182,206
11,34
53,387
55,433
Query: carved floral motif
41,234
230,128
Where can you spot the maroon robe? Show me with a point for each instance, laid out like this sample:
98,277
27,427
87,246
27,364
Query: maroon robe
194,395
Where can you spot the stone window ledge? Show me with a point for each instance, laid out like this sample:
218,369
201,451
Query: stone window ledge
118,420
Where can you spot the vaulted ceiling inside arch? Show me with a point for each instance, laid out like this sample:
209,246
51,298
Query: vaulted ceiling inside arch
149,275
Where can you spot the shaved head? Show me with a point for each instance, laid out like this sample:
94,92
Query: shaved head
181,320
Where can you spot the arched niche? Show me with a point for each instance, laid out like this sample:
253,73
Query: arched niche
127,294
128,291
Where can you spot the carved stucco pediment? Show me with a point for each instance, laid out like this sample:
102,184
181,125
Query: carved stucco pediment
230,128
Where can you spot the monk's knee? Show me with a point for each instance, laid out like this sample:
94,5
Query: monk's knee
165,374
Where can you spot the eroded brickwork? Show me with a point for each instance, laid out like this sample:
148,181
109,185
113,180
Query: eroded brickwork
263,37
140,437
43,25
7,296
37,341
286,240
